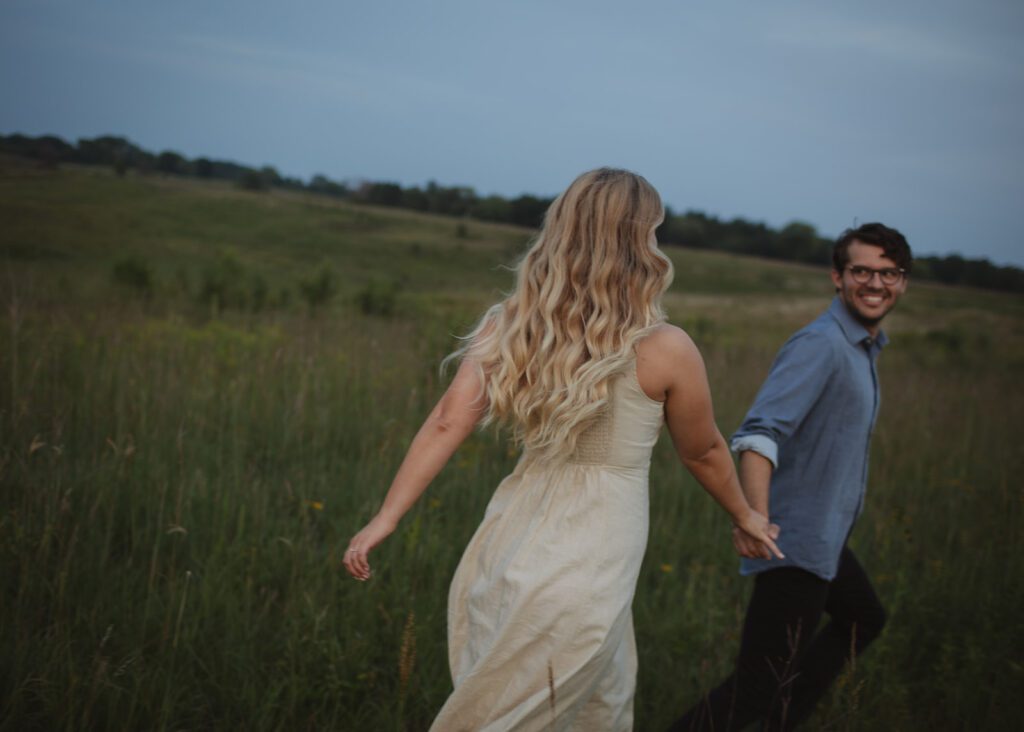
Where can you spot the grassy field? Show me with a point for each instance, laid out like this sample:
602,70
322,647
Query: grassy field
184,454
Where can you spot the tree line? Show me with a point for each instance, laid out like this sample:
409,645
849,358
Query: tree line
797,241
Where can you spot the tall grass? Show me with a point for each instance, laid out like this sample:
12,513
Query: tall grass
176,497
176,490
173,501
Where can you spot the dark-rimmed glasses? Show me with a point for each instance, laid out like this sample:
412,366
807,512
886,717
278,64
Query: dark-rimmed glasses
863,275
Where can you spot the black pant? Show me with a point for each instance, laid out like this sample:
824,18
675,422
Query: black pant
783,668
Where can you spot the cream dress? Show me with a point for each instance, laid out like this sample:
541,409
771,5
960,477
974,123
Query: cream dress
540,626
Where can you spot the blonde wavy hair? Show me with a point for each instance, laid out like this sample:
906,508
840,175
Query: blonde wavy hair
587,290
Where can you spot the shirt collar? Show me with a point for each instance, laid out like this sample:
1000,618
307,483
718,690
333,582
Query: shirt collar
855,333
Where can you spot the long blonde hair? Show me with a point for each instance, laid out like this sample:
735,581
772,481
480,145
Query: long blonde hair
588,288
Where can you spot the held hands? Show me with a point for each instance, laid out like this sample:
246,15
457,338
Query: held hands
753,537
356,559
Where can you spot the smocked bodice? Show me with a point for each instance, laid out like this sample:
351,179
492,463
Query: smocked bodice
625,433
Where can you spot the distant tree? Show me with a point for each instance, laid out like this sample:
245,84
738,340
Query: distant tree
145,163
270,176
954,269
381,194
491,208
528,211
799,241
291,183
662,229
1010,279
949,270
16,144
683,230
746,237
686,230
322,184
454,201
203,167
104,150
171,163
253,180
50,151
415,199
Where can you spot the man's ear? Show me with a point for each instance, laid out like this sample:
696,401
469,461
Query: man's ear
837,279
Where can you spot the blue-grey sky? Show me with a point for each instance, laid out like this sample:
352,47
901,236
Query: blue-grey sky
831,113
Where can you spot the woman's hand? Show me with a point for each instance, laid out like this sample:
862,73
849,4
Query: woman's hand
356,559
754,537
450,422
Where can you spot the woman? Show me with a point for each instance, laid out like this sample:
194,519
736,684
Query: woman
579,362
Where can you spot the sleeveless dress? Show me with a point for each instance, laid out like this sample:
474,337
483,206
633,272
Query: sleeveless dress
540,625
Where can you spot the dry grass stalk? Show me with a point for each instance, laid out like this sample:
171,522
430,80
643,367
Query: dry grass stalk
407,654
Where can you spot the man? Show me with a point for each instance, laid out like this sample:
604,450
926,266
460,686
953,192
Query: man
803,454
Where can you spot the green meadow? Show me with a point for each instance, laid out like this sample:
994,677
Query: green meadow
204,393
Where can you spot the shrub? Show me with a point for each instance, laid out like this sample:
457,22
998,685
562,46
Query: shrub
134,274
222,283
318,289
377,298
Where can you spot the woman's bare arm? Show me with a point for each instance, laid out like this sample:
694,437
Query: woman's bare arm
447,426
670,366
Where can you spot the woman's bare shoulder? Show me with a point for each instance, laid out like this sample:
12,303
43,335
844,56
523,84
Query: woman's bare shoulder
663,357
668,343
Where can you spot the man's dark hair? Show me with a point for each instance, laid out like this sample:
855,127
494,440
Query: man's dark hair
893,243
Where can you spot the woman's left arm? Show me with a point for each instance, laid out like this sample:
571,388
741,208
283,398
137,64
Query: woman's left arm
447,426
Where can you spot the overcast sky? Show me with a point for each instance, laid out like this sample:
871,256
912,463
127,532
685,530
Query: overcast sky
911,113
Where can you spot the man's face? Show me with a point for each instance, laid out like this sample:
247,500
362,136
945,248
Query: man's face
868,302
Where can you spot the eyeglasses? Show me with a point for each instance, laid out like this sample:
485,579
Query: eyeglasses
864,275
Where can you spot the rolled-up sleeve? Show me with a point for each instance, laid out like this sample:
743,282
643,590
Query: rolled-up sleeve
760,444
795,382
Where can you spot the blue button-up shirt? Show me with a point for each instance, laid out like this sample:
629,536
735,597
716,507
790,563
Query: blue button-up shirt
813,419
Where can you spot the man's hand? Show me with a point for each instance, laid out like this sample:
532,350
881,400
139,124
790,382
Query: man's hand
756,538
